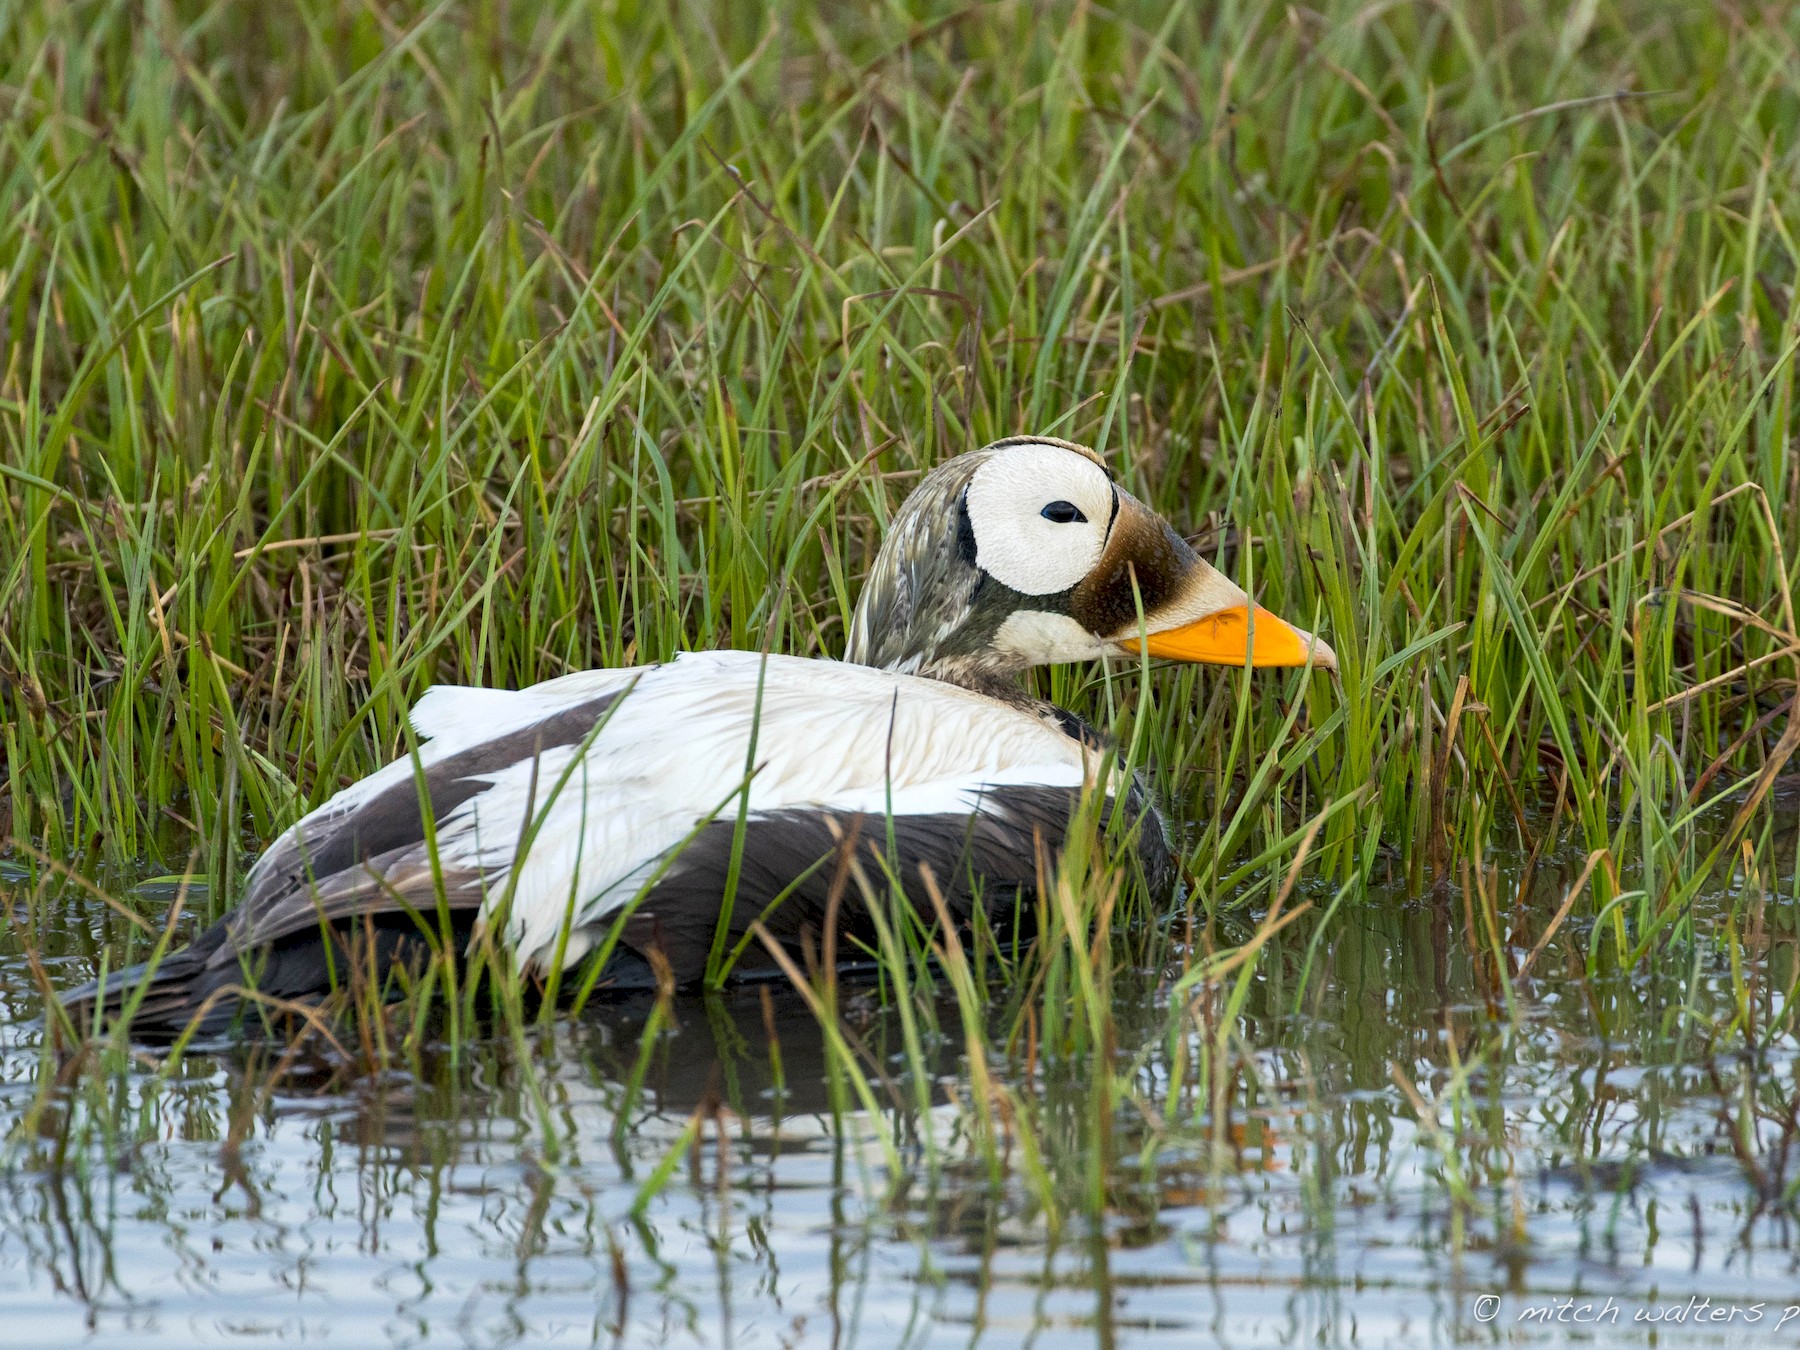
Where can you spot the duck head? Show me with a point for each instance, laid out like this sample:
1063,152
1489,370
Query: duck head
1027,553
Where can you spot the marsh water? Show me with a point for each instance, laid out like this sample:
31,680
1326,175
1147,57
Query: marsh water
1402,1156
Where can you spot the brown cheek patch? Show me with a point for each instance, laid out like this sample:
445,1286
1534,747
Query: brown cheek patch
1141,544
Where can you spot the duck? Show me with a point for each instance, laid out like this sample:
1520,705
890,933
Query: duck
659,813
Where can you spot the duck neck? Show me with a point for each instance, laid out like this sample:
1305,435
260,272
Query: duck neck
980,673
922,649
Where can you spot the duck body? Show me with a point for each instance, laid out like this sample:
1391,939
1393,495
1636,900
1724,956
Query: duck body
665,810
630,783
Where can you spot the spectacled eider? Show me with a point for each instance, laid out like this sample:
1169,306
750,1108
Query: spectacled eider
559,807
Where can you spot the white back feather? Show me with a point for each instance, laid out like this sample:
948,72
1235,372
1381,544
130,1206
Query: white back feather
673,753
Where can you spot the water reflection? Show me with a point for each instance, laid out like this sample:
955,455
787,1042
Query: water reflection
1615,1139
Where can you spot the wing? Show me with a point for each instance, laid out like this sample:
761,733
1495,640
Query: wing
366,849
556,806
653,802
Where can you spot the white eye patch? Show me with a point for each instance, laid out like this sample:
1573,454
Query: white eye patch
1016,542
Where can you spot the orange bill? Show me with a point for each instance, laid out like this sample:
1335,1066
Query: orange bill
1228,637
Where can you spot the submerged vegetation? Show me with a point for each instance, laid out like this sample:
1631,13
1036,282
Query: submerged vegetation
346,349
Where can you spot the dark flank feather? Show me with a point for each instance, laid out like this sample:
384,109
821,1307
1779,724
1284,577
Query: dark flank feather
992,854
195,985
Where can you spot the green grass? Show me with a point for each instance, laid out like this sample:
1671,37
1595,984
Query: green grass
349,349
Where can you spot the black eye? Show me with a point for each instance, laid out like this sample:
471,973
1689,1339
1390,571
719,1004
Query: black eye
1063,513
